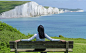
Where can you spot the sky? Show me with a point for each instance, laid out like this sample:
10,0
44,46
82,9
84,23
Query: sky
71,4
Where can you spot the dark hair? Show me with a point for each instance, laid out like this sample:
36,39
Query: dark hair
41,32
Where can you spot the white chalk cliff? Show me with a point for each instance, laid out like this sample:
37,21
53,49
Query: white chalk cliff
30,9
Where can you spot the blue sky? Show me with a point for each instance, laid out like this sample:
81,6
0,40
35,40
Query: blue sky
73,4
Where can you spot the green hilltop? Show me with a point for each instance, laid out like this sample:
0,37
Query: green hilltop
8,5
46,7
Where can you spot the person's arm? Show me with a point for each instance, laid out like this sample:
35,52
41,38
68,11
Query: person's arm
29,38
51,38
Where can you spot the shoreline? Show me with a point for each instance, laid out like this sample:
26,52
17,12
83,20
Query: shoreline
37,16
28,17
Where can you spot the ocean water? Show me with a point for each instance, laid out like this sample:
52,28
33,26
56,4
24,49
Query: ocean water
71,25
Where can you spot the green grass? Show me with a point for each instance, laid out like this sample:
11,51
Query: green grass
46,7
8,5
8,33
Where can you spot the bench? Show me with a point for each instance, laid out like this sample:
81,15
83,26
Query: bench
41,46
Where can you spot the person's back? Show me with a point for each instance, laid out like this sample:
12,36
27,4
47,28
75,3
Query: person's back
38,38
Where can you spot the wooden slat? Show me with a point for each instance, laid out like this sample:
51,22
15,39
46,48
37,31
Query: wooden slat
45,46
67,46
12,46
70,42
40,42
11,42
16,47
47,50
41,46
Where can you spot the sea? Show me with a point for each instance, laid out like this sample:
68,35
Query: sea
70,24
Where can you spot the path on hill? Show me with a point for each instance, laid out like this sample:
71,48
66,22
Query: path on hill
81,43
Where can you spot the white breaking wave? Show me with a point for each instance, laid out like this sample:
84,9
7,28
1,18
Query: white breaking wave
30,9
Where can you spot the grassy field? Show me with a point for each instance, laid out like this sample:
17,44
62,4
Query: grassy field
8,33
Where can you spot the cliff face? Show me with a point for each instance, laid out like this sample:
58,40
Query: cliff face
30,9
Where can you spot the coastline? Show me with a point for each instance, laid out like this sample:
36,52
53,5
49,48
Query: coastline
34,10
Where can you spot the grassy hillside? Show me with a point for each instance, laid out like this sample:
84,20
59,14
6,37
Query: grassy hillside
8,33
46,7
8,5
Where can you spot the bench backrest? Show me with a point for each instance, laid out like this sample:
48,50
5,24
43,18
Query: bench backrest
41,44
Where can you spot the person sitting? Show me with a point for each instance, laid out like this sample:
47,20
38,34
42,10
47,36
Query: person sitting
40,36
